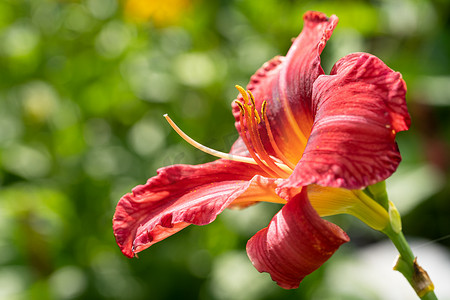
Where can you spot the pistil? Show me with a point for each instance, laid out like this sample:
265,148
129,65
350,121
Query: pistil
205,149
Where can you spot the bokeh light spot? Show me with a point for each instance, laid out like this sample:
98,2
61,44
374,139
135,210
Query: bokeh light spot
102,9
39,100
195,69
113,39
234,278
25,161
146,137
20,39
68,282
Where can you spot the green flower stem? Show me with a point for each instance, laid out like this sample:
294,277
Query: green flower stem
406,262
407,265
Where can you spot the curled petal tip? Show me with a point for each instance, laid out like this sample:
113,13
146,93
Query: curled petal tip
315,16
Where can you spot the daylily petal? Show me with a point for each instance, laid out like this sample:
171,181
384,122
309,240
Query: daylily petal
359,108
286,84
303,67
296,242
178,196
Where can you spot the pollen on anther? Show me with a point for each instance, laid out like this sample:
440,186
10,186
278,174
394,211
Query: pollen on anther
252,98
263,109
241,107
242,92
253,106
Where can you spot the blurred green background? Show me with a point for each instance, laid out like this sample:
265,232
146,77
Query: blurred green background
83,87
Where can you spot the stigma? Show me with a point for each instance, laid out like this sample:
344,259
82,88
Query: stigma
275,166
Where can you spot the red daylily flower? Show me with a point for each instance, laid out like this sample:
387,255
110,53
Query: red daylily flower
307,140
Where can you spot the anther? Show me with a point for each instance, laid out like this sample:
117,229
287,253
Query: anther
241,107
252,99
242,92
263,109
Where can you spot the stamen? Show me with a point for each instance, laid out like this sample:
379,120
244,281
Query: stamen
272,140
252,151
259,155
256,148
256,142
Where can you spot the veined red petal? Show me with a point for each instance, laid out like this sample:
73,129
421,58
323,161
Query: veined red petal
296,243
178,196
286,84
358,110
302,67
